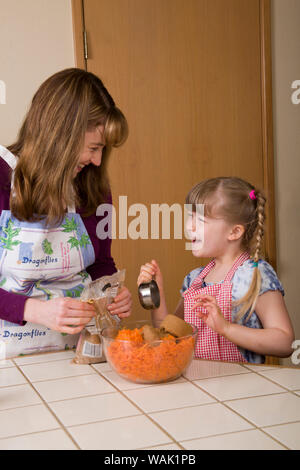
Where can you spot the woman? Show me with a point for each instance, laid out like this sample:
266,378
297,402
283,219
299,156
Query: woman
52,179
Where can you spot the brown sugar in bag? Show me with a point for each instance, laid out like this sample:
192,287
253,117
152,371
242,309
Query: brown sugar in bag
89,348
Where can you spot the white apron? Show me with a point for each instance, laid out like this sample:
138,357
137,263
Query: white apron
43,263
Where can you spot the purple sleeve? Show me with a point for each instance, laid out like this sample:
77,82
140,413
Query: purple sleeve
104,264
12,307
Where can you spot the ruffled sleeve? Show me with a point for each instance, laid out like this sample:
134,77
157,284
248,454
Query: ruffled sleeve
242,278
189,279
269,279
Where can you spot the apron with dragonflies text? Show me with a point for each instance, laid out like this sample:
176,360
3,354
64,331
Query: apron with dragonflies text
42,263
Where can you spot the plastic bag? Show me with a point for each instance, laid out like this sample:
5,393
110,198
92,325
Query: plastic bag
101,293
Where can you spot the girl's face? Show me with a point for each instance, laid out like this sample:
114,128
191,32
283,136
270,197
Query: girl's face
92,150
210,236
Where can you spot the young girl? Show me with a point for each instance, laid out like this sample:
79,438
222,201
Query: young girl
236,301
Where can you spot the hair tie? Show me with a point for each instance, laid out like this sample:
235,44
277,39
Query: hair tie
252,195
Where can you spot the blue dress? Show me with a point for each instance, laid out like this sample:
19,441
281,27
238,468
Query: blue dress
240,284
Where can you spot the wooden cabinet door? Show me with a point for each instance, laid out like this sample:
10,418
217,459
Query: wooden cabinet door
193,79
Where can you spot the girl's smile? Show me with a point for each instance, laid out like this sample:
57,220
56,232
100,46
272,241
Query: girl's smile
210,236
195,231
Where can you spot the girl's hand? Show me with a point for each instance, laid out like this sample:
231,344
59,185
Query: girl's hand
214,317
121,304
62,314
151,271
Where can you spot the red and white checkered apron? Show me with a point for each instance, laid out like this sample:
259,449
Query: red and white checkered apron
211,345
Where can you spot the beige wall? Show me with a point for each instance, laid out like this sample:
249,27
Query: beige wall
286,69
36,40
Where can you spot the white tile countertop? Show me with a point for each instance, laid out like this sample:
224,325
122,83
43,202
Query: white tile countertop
48,403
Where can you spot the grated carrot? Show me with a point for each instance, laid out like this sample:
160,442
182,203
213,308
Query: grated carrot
145,362
130,335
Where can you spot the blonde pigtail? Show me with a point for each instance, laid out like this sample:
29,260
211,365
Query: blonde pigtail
249,300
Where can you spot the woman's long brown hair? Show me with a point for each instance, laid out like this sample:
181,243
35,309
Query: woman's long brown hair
228,197
50,141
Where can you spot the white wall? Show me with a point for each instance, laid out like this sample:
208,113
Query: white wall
286,69
36,40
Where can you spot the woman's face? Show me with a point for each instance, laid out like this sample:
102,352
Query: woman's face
92,149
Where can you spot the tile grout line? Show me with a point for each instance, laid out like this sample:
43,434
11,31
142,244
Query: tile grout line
45,380
282,424
30,434
249,371
249,367
38,362
117,390
260,374
242,431
219,435
98,394
111,370
114,392
192,406
215,376
243,417
48,408
269,366
265,431
143,412
285,389
58,401
234,399
276,383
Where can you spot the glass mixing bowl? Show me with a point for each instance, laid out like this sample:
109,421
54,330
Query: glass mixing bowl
143,362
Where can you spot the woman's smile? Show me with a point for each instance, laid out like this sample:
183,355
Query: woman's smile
79,167
92,150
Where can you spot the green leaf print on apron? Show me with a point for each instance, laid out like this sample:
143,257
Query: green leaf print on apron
43,263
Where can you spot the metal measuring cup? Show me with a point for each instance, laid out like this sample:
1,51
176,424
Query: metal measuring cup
149,295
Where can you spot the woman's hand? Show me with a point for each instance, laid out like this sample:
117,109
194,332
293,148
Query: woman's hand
149,271
62,314
214,317
121,304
